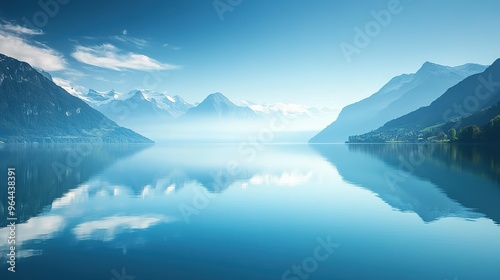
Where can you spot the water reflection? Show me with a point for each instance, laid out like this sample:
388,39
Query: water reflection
255,217
434,181
119,189
107,228
46,172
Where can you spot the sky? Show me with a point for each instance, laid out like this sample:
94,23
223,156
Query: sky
316,53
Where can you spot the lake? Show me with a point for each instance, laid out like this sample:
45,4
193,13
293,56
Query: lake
123,212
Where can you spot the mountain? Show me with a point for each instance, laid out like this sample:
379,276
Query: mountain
215,119
174,105
34,109
217,107
134,110
137,107
97,98
474,93
479,118
473,101
45,74
401,95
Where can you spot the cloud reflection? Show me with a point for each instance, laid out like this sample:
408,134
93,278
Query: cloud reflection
79,194
106,229
285,179
35,229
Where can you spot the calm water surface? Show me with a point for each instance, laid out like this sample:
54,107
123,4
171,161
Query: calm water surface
262,212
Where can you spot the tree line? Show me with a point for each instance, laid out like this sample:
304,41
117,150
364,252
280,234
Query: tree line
473,133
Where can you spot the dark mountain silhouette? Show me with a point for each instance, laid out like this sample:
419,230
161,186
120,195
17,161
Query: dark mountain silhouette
34,109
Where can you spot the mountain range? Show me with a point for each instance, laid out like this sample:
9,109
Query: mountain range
34,109
401,95
137,106
472,101
470,95
159,115
409,106
216,104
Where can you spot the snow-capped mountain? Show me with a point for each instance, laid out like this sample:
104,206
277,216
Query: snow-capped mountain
218,107
99,98
136,107
175,105
170,117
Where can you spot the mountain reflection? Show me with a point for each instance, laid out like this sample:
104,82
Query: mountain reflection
434,181
215,167
46,172
52,176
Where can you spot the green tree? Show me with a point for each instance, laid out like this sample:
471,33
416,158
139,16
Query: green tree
492,129
452,135
470,134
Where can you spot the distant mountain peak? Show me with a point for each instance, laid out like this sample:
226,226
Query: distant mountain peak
217,97
138,95
216,105
462,70
430,64
400,96
432,67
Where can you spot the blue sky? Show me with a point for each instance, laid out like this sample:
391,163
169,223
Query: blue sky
265,51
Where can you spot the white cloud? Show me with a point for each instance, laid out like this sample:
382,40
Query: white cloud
13,44
110,57
124,38
17,29
140,43
172,47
